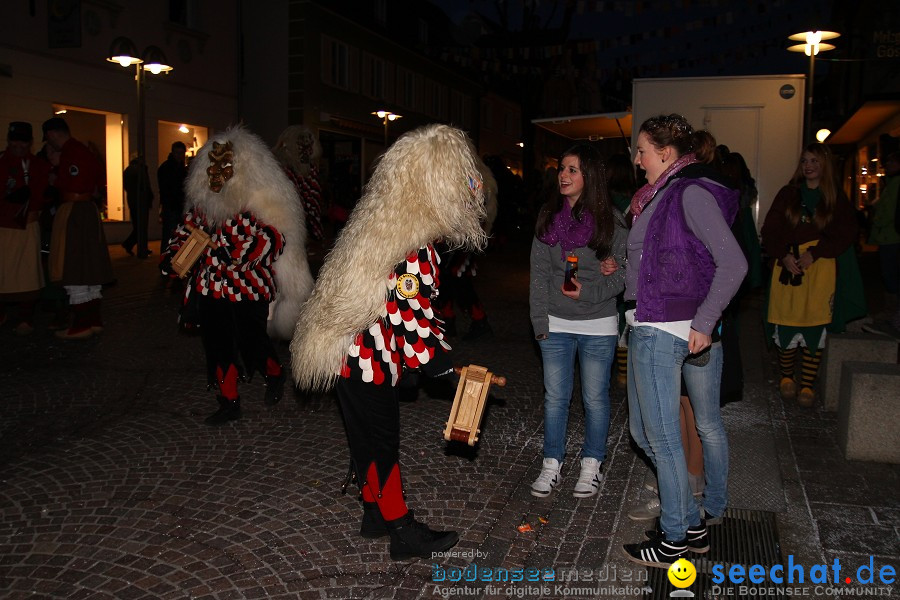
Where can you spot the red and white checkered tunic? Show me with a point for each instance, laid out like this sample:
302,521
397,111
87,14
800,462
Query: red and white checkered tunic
253,247
408,332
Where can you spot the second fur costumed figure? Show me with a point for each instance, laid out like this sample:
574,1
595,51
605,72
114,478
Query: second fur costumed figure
239,195
370,316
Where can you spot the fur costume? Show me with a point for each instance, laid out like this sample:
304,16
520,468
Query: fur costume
426,187
259,186
299,151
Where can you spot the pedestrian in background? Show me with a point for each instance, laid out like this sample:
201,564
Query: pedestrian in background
576,319
136,181
461,267
53,295
170,178
809,225
684,266
79,257
21,272
886,236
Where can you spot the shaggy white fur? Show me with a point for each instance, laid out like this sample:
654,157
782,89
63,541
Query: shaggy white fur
418,194
298,148
259,186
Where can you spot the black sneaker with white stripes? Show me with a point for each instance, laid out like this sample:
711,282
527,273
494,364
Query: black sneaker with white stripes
697,537
656,553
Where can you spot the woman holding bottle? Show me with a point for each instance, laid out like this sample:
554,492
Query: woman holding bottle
575,316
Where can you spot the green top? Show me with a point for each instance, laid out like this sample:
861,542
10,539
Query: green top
809,200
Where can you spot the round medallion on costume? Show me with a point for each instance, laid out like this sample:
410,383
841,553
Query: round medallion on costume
408,285
73,170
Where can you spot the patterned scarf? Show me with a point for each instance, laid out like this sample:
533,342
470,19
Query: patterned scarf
568,232
644,195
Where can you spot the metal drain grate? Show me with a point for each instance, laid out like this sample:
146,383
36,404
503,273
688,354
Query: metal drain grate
745,537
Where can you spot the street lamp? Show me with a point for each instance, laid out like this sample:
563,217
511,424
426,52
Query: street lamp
812,45
123,52
386,116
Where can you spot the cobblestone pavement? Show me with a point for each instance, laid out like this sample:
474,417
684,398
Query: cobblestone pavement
112,487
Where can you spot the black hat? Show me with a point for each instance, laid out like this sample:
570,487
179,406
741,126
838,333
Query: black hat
54,124
19,131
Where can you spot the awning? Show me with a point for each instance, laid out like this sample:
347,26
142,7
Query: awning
589,127
870,116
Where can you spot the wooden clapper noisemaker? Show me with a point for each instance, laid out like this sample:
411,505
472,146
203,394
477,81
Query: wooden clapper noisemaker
468,405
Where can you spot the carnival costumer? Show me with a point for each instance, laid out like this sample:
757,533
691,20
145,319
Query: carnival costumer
239,195
370,317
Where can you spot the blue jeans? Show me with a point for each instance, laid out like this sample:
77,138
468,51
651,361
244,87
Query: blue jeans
655,360
595,357
703,387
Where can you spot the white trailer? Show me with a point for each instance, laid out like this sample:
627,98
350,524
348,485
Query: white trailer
759,116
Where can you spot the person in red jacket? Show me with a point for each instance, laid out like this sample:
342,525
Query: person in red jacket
79,257
21,273
370,321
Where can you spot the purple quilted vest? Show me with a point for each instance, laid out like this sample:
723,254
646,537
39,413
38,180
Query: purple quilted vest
676,268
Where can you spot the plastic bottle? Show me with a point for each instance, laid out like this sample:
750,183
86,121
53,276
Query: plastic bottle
571,272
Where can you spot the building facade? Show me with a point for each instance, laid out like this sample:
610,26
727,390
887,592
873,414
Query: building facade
53,62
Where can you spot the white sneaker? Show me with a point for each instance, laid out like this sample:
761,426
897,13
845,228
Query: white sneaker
589,480
547,480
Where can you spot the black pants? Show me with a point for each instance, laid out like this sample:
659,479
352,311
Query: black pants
372,420
139,223
234,333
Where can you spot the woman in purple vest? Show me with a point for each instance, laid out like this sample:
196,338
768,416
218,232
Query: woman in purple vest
683,268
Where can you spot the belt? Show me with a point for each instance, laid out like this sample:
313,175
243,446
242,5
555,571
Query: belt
76,196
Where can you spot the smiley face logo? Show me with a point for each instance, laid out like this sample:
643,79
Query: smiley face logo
682,573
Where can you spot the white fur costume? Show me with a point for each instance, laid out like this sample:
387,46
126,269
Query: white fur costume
298,148
259,186
426,187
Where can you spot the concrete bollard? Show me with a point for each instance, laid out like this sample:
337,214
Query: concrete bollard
869,411
843,347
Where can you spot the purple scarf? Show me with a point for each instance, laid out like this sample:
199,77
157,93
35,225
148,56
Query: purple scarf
644,195
566,231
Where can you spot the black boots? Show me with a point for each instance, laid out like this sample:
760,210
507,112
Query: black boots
373,524
412,539
275,388
229,410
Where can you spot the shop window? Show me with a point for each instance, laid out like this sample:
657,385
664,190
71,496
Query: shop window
192,136
106,135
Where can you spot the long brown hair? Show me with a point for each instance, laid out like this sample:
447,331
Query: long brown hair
827,186
594,199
